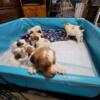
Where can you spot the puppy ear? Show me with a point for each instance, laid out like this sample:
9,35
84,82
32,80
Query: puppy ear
17,56
19,43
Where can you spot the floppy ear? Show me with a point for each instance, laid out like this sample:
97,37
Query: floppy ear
17,56
19,44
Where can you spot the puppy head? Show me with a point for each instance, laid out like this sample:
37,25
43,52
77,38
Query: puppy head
71,26
19,53
33,39
36,30
18,44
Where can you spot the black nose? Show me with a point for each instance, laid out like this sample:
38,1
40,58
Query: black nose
35,45
42,36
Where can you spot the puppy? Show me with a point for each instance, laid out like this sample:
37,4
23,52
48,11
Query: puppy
42,59
38,42
18,48
74,30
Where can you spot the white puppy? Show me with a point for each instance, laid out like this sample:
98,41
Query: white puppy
74,30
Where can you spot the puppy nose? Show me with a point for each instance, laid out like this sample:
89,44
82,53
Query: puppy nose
35,45
36,38
42,36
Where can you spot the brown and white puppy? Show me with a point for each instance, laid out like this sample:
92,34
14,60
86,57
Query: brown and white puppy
37,41
36,37
36,30
42,59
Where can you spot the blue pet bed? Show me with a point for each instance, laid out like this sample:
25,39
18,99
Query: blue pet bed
68,83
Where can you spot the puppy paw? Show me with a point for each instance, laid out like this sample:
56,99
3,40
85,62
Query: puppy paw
48,73
32,70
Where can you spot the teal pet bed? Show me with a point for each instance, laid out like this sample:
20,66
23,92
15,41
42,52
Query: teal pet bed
77,84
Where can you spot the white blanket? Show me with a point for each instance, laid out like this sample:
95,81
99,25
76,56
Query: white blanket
74,57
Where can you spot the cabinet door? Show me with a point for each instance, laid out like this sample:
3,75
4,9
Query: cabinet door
34,11
29,11
41,11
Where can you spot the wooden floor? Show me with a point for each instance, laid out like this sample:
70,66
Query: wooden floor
21,93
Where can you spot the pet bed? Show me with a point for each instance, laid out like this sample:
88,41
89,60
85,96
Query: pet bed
81,60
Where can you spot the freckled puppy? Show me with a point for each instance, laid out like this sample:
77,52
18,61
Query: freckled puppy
36,37
42,59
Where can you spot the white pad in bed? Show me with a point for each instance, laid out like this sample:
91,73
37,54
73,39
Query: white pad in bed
74,57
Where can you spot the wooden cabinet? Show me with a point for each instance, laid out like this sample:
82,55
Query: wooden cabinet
9,10
34,9
8,14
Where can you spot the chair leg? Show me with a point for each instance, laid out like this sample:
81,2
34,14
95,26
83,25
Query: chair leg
97,17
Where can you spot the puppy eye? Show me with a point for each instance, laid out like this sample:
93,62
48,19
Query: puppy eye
42,36
31,32
35,45
39,31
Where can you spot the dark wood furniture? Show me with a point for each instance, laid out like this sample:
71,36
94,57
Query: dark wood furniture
91,8
33,8
9,10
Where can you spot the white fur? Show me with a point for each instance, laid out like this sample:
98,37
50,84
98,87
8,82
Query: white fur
50,56
7,58
35,29
14,46
43,43
32,70
74,30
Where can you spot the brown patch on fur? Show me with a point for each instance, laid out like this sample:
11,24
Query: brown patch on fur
19,44
47,72
41,61
29,50
17,56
